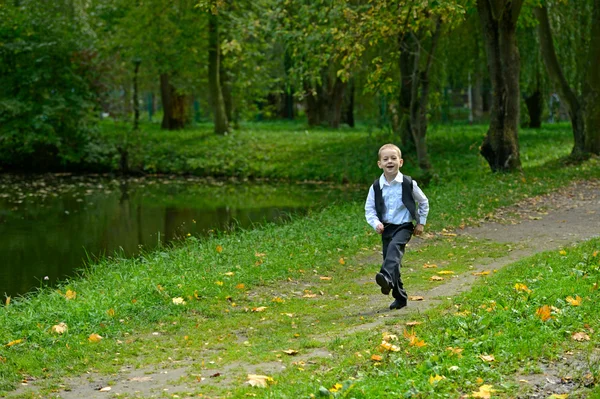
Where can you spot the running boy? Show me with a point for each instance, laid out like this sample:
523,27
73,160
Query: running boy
394,201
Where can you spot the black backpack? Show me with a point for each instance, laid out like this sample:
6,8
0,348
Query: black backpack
407,197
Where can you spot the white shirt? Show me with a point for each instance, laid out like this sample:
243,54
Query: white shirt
395,210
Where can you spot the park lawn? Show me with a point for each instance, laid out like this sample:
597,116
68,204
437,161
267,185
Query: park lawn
312,268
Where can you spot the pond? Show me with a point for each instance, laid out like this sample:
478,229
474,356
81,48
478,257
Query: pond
52,225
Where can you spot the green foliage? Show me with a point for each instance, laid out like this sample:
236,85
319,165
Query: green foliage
46,74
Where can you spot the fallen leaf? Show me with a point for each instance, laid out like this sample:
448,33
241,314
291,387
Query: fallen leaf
389,337
483,273
559,396
259,309
487,358
178,301
325,278
445,272
336,387
429,266
229,274
240,286
70,294
307,295
580,337
260,381
110,312
435,379
7,302
288,314
94,338
485,391
219,249
15,342
259,254
342,261
60,328
415,298
544,313
376,358
563,252
140,379
219,283
389,347
436,278
574,301
455,351
278,300
413,323
521,287
105,389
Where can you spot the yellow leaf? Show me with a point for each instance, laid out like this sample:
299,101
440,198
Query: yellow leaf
240,286
455,351
483,273
278,300
219,249
260,381
429,266
435,379
7,302
259,309
60,328
445,272
580,337
178,301
70,294
413,323
387,346
110,312
219,283
290,352
342,261
376,358
15,342
521,287
325,278
563,252
485,391
259,254
415,298
336,387
559,396
436,278
229,274
308,295
487,358
574,301
389,337
94,338
544,313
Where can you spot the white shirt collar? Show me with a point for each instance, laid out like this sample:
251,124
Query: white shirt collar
383,181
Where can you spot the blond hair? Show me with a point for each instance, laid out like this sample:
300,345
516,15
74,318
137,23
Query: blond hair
389,146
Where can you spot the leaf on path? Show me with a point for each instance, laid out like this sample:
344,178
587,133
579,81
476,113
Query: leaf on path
574,301
559,396
544,313
60,328
436,278
325,278
259,309
487,358
260,381
94,338
483,273
580,337
15,342
445,272
140,379
522,287
309,294
104,389
485,391
290,352
415,298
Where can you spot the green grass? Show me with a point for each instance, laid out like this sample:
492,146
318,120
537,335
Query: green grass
225,278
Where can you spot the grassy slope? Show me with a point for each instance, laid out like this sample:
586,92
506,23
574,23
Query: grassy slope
224,277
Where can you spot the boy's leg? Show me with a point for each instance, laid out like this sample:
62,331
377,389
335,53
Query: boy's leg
394,240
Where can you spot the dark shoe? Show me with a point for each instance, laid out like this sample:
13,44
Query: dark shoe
385,285
398,304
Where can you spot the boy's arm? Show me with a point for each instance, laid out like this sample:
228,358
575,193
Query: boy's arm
423,210
371,212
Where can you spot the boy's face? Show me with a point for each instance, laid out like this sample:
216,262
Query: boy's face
390,162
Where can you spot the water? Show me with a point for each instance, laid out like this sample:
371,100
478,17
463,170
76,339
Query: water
51,225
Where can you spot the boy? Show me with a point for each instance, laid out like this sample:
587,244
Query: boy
390,209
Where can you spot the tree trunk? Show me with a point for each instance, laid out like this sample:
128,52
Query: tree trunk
136,99
214,79
406,68
555,73
313,115
498,19
591,87
336,96
348,112
534,108
174,105
477,95
225,80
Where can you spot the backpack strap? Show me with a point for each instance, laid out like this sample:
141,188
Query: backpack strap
407,196
379,202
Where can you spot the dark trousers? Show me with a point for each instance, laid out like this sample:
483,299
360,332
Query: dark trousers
394,240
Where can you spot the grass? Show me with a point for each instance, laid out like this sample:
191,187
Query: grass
310,275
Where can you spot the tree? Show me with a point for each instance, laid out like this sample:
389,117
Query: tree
583,108
498,20
214,73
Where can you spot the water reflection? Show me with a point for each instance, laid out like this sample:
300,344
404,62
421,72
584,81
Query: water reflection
50,225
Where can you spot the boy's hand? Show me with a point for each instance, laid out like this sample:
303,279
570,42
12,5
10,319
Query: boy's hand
418,229
379,228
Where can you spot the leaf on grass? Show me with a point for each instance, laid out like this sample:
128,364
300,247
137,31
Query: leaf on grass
580,337
219,283
415,298
288,314
436,278
260,381
487,358
259,254
559,396
413,340
455,351
389,347
434,379
70,294
595,287
278,300
342,261
7,302
336,387
240,286
387,337
522,287
60,328
563,252
229,274
376,358
413,323
259,309
429,266
309,295
290,352
110,312
544,313
94,338
15,342
485,391
445,272
574,301
178,301
325,278
219,249
483,273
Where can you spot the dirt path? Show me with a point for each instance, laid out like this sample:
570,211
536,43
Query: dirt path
537,224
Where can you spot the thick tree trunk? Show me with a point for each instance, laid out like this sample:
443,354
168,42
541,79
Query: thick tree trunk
216,94
498,19
406,78
226,89
174,105
534,105
348,112
591,87
336,102
558,78
313,114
